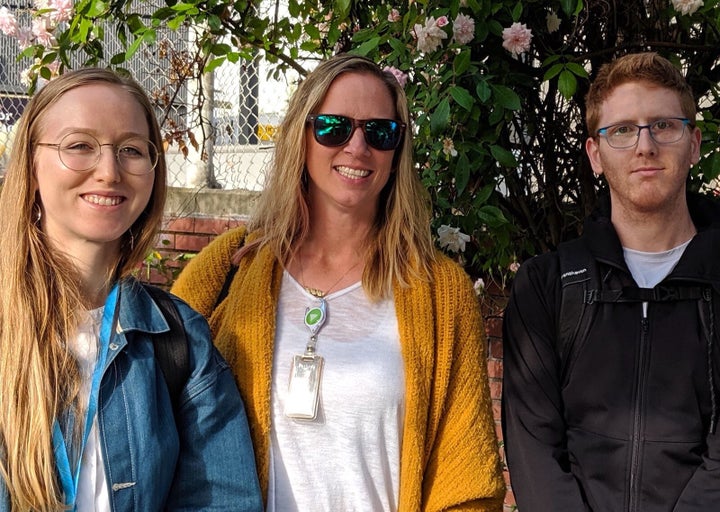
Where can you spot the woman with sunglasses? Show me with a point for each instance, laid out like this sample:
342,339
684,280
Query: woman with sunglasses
86,418
358,348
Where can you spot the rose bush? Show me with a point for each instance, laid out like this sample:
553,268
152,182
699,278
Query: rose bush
499,129
496,89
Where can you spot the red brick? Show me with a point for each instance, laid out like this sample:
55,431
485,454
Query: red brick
496,348
192,243
181,224
499,434
495,368
510,499
166,241
233,223
496,409
210,225
153,277
493,327
495,388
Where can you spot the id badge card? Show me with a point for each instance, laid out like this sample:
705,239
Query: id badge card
303,395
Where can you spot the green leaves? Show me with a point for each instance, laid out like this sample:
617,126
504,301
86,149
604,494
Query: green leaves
462,97
497,137
440,117
567,74
506,97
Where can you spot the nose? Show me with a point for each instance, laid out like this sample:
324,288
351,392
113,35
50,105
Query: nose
645,144
357,143
108,166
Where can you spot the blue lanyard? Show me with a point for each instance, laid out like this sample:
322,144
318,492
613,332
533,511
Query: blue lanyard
69,480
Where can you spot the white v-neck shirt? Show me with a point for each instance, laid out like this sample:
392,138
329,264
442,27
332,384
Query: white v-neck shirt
349,457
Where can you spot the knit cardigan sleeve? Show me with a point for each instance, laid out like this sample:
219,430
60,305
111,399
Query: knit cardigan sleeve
199,284
451,453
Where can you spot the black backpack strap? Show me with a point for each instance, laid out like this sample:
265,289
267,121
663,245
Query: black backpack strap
171,348
580,281
706,309
226,285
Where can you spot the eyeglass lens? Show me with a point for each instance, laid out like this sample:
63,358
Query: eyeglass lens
662,131
81,152
334,130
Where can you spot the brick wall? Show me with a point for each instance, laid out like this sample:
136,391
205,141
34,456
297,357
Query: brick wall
492,303
182,237
188,234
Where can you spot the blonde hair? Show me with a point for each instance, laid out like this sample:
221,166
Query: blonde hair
636,67
400,244
40,296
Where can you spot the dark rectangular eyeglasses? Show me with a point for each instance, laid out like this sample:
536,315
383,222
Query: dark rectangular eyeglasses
662,131
333,130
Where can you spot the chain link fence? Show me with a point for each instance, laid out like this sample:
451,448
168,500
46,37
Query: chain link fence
218,129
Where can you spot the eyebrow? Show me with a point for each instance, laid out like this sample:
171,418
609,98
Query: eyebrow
650,120
122,136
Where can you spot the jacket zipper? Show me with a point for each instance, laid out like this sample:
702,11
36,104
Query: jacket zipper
638,423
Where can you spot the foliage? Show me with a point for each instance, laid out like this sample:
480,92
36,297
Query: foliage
498,114
163,267
520,182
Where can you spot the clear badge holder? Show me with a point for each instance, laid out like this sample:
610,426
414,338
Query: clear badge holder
303,398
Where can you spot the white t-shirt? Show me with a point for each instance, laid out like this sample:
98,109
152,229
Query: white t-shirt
650,268
92,494
349,457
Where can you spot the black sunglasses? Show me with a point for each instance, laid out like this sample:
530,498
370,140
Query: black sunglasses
331,130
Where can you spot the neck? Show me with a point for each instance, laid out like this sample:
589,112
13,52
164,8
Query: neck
94,263
330,233
331,257
655,232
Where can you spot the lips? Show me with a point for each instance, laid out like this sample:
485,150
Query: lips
103,200
351,173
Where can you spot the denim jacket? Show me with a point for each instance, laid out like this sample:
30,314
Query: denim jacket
202,461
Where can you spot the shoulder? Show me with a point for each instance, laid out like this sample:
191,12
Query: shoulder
147,308
451,292
225,244
202,355
448,274
543,270
201,280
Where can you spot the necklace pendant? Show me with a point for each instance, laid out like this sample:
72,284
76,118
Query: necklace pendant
315,292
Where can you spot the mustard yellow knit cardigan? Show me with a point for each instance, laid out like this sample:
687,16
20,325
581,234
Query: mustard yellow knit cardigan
449,456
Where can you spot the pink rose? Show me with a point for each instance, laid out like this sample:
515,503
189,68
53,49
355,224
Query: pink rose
516,38
463,29
63,10
24,37
429,37
8,22
41,31
394,16
399,75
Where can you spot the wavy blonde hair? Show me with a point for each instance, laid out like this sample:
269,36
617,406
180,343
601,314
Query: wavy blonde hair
40,300
400,245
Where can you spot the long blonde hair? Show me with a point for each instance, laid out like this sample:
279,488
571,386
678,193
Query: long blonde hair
400,244
40,300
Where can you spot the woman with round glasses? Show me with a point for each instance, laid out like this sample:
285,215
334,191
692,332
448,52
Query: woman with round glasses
358,348
87,421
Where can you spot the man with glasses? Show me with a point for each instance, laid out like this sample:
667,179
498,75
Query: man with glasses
610,392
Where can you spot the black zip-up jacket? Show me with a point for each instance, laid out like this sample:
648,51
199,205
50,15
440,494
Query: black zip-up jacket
628,428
